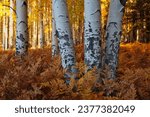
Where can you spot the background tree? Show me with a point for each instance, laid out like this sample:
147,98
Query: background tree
135,23
11,23
54,38
41,43
76,14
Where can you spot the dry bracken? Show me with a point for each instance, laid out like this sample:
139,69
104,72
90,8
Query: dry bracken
38,76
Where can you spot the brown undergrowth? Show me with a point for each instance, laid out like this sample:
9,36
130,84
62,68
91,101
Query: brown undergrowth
38,76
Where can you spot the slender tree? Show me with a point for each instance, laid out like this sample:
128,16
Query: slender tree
7,32
92,34
1,32
11,24
4,32
63,32
5,29
41,32
54,38
34,40
41,26
22,28
113,35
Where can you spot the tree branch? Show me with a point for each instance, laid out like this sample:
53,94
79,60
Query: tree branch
10,8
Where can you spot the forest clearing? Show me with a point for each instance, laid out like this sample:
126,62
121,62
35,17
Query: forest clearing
42,76
75,49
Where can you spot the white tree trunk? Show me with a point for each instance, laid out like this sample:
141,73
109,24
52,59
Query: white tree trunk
113,35
41,31
55,50
63,32
41,36
34,39
92,40
4,32
1,32
22,27
11,25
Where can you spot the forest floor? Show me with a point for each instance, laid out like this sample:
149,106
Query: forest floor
38,76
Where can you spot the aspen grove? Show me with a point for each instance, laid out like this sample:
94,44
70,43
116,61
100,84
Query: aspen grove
74,49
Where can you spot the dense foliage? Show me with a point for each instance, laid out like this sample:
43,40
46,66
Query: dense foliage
38,76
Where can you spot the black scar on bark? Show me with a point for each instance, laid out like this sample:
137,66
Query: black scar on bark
22,22
115,34
123,2
21,37
61,16
90,30
91,41
24,4
57,34
95,12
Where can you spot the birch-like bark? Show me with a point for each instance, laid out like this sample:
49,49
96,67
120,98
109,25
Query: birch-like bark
22,28
92,40
4,32
1,32
113,35
41,27
55,50
37,32
34,35
11,25
7,32
63,32
49,13
41,32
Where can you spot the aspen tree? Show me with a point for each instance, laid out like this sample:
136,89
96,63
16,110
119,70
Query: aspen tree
113,35
92,34
63,32
41,26
11,25
22,28
55,50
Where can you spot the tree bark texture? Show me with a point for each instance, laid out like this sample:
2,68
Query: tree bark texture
11,25
92,40
63,32
22,28
55,50
113,35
